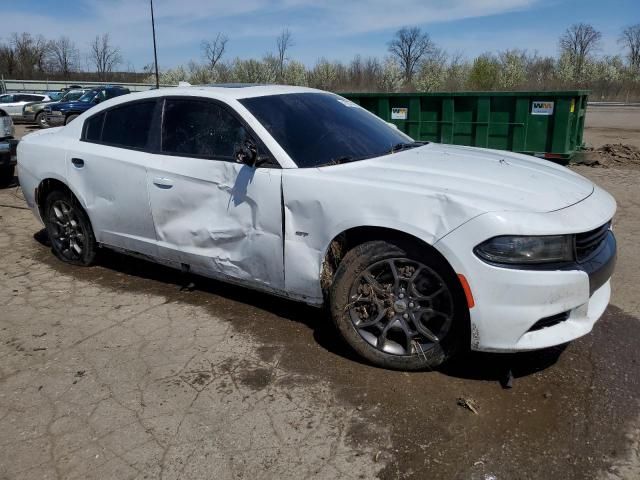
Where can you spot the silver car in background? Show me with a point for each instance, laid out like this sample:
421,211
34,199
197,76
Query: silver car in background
12,103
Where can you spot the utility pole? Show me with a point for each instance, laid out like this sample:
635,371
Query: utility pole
155,52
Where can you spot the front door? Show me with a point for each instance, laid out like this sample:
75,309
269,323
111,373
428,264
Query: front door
219,217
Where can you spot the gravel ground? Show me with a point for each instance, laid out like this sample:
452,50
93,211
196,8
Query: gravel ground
118,371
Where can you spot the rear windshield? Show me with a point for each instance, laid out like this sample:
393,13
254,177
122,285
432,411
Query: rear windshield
318,129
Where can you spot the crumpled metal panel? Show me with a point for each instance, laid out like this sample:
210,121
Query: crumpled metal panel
219,216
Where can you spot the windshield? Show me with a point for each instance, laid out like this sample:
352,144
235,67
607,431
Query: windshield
87,97
71,96
322,129
55,95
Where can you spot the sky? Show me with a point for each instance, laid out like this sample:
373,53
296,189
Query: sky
334,29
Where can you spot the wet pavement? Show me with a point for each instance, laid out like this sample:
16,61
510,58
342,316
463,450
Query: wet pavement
132,370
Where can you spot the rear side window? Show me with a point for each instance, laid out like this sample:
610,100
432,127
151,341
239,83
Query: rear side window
115,93
201,129
128,125
93,128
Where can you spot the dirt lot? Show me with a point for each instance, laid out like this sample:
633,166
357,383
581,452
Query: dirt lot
608,124
117,371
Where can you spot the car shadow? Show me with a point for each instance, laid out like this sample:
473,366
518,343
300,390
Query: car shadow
468,365
501,367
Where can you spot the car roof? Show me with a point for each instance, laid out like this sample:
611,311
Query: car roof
224,91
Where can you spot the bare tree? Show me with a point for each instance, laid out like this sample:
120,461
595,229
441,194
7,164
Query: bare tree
8,62
30,53
630,38
284,42
103,55
63,55
214,49
579,41
409,46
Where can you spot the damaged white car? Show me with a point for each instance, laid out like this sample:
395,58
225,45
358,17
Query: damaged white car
419,249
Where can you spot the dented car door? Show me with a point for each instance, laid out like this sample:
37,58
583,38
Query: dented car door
214,215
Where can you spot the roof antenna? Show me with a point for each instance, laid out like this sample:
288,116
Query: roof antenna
155,53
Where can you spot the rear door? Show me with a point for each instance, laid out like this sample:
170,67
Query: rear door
108,167
12,104
219,217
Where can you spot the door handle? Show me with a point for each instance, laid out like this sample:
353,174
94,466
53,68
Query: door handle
77,162
162,182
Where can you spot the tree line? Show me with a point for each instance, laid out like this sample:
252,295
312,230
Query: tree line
413,62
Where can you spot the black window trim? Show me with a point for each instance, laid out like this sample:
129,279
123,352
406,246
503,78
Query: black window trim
152,127
272,163
154,141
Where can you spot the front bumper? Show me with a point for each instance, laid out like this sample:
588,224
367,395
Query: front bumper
26,118
8,152
55,120
518,309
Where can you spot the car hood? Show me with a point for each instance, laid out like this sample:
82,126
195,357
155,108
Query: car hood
488,180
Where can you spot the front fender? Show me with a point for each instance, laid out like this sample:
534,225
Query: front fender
312,224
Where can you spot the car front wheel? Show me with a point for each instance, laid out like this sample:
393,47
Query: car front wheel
41,120
69,229
70,119
399,306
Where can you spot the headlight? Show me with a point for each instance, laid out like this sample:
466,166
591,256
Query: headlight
28,109
526,250
56,112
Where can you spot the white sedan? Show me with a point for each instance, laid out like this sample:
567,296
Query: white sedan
420,250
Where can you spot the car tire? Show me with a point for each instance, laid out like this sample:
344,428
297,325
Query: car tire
41,120
419,331
6,175
69,229
71,118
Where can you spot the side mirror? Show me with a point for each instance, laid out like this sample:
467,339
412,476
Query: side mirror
96,100
246,153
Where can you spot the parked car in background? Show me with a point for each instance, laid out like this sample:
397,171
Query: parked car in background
420,250
34,112
7,149
63,113
12,103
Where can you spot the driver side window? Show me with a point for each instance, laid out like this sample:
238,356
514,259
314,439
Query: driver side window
197,128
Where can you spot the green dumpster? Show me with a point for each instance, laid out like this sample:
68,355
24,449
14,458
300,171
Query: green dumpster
544,124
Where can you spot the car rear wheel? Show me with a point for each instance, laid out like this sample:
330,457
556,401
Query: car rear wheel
69,229
399,306
6,175
71,118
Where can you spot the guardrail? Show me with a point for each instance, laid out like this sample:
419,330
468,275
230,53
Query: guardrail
39,86
613,104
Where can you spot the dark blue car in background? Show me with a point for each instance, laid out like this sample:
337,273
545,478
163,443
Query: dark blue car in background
65,112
